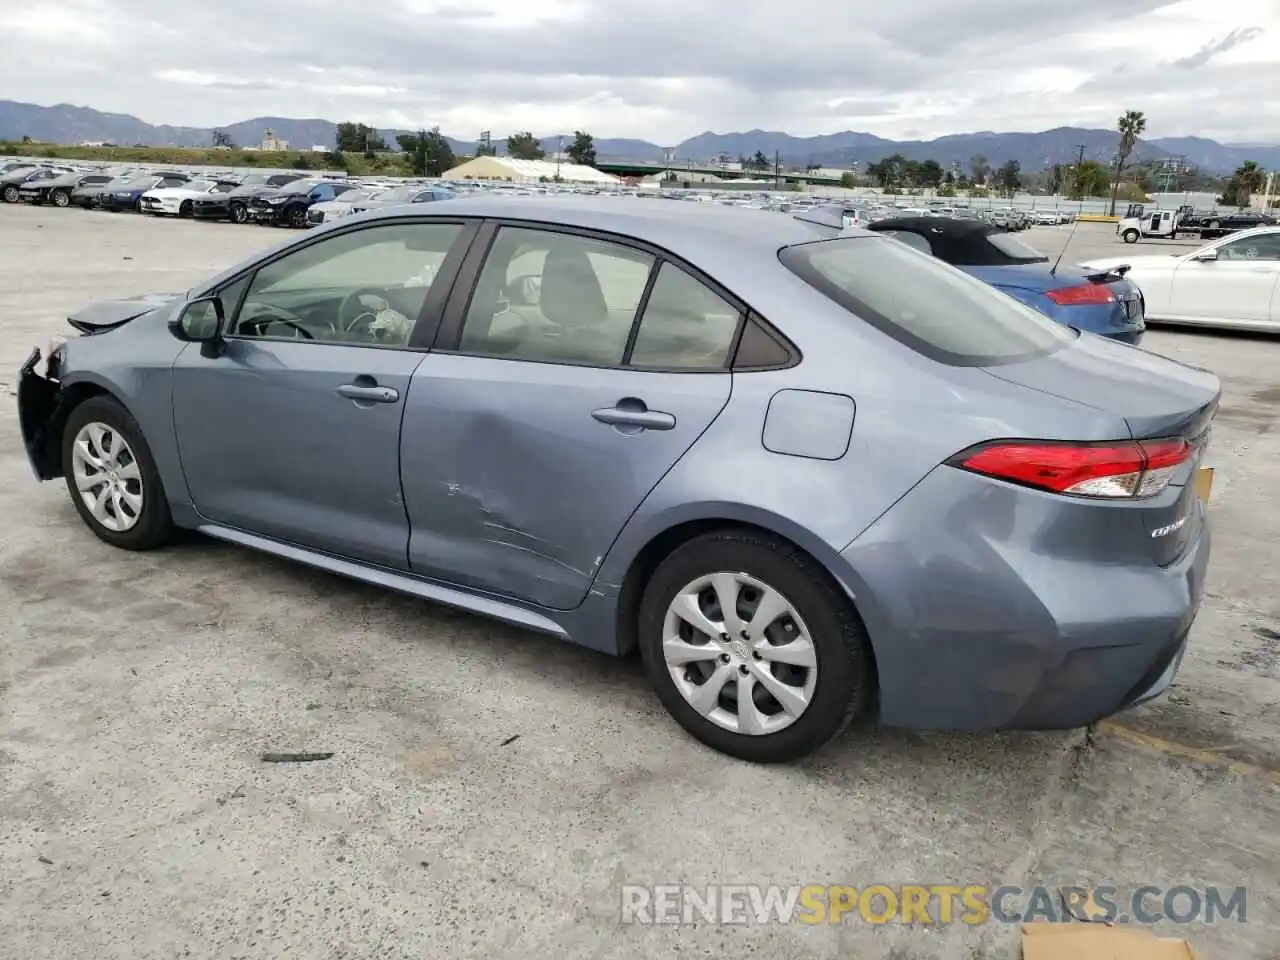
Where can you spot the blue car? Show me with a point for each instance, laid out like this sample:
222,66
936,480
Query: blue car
1104,302
127,196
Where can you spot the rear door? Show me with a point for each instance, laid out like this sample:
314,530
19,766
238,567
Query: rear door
566,381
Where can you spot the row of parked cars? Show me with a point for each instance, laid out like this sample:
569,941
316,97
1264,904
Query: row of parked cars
283,199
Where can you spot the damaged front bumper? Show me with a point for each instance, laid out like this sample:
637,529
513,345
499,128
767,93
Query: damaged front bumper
39,395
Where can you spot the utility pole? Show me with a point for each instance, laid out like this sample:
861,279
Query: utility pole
777,170
1076,177
558,144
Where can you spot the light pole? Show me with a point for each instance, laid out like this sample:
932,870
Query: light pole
558,145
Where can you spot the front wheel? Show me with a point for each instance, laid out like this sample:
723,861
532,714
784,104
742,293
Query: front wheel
238,213
185,209
61,198
112,477
752,648
10,194
1129,236
297,217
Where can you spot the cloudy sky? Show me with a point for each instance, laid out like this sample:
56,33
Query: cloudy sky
663,70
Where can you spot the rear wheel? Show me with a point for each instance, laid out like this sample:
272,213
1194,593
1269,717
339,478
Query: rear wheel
238,213
1129,236
752,648
10,193
61,198
112,477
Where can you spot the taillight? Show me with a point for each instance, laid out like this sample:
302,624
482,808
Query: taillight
1080,295
1113,470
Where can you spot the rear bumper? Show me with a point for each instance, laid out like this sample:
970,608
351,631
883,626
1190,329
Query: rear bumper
994,607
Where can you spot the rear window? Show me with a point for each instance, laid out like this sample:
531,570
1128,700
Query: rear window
1016,249
924,303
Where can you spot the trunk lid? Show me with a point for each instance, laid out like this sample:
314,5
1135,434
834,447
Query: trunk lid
1157,398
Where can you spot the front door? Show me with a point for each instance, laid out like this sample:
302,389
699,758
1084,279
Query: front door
1238,285
578,375
293,432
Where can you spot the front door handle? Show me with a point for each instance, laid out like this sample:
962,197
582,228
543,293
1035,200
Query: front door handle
633,413
368,394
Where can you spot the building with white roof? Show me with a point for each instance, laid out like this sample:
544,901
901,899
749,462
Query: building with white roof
527,171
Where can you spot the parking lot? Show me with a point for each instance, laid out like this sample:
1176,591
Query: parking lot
491,791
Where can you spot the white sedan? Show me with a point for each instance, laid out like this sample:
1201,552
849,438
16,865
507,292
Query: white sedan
176,201
1231,282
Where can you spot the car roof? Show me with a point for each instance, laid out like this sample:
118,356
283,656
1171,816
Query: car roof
687,229
953,239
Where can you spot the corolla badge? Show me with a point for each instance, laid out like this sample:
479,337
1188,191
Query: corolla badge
1171,528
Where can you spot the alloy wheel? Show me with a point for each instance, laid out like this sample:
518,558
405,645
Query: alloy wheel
107,476
11,194
238,213
61,199
740,654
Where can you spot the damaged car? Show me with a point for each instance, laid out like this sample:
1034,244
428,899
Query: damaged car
807,477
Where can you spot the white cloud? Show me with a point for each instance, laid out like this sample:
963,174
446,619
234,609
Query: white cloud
662,70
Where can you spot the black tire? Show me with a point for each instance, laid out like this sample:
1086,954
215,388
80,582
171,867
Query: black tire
10,193
845,682
1129,236
61,198
238,213
296,217
184,211
154,527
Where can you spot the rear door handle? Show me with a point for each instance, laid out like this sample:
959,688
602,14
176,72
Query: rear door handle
368,394
633,413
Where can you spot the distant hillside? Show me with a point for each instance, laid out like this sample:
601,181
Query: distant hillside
68,124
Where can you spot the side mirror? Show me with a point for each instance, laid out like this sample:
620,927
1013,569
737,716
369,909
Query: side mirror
199,321
1205,256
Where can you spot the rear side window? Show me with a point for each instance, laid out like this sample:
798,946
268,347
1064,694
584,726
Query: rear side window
922,302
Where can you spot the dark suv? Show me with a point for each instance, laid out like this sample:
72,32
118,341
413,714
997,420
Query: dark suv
234,206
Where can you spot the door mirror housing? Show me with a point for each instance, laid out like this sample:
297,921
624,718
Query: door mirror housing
199,320
1205,256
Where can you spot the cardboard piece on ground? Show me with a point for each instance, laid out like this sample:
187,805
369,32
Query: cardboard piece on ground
1204,483
1099,941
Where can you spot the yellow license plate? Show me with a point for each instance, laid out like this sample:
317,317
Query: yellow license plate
1204,483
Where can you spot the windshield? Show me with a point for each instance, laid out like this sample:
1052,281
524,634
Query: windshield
200,186
299,186
399,194
136,182
920,301
120,182
1016,249
355,196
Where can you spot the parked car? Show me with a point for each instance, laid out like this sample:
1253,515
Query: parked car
1099,301
1217,225
11,183
129,196
804,473
1231,282
57,190
234,205
89,195
179,201
358,201
288,205
327,211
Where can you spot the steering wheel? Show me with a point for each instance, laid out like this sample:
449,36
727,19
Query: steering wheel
272,314
348,320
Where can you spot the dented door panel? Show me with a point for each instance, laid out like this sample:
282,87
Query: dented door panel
513,482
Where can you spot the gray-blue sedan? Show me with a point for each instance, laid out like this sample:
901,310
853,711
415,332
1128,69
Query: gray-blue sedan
803,473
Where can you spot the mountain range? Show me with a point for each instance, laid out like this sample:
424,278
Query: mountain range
67,124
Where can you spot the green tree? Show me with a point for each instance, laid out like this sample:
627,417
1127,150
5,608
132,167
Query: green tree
848,180
26,138
223,139
889,172
524,146
929,174
1131,125
1243,184
358,138
1009,177
947,190
1088,179
979,168
760,161
302,162
429,152
583,149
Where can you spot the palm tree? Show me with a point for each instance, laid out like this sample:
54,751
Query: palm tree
1131,126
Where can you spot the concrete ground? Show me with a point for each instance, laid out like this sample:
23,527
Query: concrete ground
490,791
